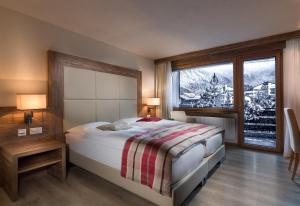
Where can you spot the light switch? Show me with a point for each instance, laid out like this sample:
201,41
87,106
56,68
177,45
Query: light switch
21,132
36,130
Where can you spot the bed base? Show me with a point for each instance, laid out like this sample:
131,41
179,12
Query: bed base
180,190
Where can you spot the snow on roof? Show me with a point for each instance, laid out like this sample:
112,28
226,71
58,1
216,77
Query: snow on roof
190,96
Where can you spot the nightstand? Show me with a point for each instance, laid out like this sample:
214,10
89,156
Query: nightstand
26,156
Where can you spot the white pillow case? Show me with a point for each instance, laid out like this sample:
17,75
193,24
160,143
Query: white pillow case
115,126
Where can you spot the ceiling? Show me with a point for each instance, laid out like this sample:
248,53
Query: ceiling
160,28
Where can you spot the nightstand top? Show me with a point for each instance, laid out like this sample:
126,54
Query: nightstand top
29,147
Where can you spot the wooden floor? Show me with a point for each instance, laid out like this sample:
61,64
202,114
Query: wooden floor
245,178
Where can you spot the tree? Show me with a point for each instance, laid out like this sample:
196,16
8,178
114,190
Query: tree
214,94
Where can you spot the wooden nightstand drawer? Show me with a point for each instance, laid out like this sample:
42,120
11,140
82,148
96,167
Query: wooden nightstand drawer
19,158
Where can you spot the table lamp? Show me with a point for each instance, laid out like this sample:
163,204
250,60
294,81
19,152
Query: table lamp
152,103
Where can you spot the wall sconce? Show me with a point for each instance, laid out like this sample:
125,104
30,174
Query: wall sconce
30,102
152,103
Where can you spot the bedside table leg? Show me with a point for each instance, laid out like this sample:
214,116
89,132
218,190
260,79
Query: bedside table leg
64,163
59,170
10,179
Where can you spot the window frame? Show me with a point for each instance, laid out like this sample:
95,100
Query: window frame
237,55
278,54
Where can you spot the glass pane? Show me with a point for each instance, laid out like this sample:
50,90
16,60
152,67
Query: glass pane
207,86
260,102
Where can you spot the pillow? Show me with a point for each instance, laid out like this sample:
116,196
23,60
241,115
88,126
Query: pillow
116,126
149,119
84,128
121,125
106,127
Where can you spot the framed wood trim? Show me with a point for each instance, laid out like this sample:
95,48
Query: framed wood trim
258,147
279,99
240,125
231,115
280,103
4,110
206,110
55,93
201,61
56,63
189,62
232,47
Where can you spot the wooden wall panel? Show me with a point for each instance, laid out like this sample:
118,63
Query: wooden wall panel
11,120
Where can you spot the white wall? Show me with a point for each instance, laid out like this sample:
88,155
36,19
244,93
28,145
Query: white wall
24,42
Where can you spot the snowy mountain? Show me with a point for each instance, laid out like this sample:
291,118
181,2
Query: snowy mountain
255,78
259,71
197,81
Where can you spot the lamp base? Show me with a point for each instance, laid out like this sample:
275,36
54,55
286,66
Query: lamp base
150,109
28,117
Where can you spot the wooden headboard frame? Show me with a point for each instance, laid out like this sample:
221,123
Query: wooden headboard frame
56,63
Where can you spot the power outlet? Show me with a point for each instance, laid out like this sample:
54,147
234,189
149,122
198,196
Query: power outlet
36,130
22,132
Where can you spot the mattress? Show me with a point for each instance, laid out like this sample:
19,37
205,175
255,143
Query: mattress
106,146
212,144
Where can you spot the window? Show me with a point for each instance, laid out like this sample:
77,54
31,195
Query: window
209,86
246,85
260,102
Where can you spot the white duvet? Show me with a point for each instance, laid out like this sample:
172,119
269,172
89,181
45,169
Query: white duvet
106,146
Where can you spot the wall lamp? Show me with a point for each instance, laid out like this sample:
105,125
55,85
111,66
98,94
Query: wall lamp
29,102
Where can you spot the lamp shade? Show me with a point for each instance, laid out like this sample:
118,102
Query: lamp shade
31,101
153,101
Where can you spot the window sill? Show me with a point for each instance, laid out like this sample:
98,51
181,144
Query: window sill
211,112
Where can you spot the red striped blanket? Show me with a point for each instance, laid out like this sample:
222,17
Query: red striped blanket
147,157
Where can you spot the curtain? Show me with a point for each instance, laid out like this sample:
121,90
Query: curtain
291,77
163,88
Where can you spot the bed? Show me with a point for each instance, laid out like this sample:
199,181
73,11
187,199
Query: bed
80,101
90,146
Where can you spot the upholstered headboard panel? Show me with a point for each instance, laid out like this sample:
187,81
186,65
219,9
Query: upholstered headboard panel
82,91
91,96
